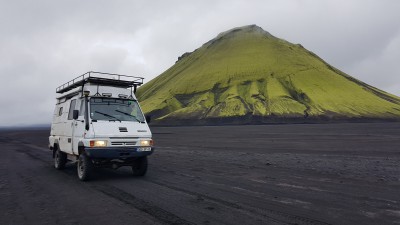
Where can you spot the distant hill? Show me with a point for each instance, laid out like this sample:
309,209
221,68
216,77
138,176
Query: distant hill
246,75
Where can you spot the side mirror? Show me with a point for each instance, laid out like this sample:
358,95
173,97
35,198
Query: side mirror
75,114
148,119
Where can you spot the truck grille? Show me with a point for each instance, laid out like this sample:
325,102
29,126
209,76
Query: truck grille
123,143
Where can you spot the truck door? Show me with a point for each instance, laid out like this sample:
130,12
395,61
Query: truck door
69,128
79,126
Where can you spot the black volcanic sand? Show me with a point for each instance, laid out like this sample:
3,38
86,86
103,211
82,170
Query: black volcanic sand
266,174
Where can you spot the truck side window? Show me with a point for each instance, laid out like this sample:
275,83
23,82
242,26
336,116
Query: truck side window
60,111
71,109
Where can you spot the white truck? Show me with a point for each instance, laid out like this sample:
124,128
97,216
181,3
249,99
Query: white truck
98,122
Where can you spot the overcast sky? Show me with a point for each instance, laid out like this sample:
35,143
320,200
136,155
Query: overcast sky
46,43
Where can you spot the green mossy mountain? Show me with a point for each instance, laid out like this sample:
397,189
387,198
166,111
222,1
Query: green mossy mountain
246,75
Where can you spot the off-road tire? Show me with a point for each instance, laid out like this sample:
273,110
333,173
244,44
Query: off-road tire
60,159
84,167
139,167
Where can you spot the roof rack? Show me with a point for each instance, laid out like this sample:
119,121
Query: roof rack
116,80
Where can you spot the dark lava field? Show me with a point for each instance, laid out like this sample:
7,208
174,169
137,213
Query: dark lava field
345,173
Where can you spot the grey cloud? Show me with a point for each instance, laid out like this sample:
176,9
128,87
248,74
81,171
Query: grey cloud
46,43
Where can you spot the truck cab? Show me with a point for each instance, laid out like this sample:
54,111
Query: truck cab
98,122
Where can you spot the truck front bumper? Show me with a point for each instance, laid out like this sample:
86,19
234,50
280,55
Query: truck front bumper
118,152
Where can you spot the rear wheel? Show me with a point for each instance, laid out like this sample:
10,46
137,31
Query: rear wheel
60,159
139,167
84,167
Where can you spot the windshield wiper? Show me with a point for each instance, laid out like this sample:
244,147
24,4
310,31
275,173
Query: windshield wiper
129,115
105,114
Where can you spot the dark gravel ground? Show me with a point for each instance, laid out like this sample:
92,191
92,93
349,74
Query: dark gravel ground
267,174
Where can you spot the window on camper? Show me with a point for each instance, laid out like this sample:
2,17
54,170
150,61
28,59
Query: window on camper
71,109
60,111
112,109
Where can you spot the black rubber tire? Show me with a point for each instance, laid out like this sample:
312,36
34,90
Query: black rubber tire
139,168
84,167
60,159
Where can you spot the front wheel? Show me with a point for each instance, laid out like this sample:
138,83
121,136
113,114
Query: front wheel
139,167
60,159
84,167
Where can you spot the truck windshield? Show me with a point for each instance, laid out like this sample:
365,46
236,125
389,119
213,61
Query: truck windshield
113,109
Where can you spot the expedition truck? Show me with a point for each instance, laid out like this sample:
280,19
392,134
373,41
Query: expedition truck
98,122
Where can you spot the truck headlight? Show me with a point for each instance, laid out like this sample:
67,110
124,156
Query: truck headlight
98,143
147,142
